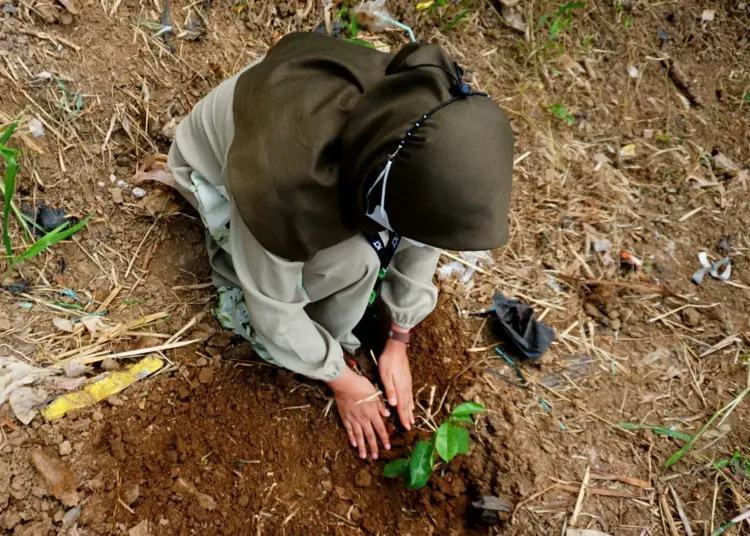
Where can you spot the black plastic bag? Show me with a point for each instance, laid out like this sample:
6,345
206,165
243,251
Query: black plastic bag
520,330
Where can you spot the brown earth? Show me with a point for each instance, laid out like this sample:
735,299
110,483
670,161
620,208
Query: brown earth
226,444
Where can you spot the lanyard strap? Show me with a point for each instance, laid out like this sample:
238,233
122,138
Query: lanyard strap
385,251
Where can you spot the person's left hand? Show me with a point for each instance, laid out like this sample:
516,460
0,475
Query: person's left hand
396,377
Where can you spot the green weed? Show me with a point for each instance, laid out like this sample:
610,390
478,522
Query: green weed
442,10
560,21
10,157
738,463
558,110
450,440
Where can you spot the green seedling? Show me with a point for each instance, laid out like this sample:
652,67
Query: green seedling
450,440
10,157
558,110
349,20
677,456
560,21
626,21
738,463
747,98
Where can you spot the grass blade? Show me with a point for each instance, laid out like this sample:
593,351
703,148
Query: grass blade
50,239
680,453
11,170
660,430
452,24
8,132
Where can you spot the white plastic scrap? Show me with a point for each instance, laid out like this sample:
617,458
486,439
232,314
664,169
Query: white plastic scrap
708,15
714,270
461,271
633,71
15,377
374,15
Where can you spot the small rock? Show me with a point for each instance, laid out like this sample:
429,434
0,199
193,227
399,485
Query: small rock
471,392
691,317
202,362
220,340
131,494
183,487
141,529
97,416
615,324
243,501
110,364
116,194
206,375
58,478
71,516
613,314
363,478
590,309
65,448
205,501
671,199
115,400
66,19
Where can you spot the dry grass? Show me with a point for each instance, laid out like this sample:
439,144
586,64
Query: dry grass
578,189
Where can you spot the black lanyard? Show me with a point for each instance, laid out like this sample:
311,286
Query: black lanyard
385,251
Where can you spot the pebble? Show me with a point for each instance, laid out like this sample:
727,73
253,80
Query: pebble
110,364
131,494
97,416
691,317
115,400
615,324
202,362
591,310
65,448
206,375
243,501
363,478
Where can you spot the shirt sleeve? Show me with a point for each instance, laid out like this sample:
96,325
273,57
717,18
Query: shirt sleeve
407,289
275,302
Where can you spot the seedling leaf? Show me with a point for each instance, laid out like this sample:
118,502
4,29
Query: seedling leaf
396,468
467,408
451,440
50,239
11,170
558,110
420,466
7,133
462,418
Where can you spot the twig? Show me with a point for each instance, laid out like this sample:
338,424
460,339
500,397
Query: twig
681,512
581,495
373,396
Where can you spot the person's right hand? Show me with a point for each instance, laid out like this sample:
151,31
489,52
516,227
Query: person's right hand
363,421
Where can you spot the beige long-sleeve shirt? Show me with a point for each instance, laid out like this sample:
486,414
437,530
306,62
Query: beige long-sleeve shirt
303,313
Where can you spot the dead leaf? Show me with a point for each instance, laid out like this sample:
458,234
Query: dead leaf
63,324
160,204
514,17
59,480
159,175
94,324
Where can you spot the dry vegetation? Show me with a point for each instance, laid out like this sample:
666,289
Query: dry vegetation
632,127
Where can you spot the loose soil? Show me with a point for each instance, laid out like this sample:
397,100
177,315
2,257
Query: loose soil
225,444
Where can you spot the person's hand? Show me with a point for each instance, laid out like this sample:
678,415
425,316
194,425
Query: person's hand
396,377
363,421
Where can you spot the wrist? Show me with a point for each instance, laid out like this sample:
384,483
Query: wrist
398,329
342,381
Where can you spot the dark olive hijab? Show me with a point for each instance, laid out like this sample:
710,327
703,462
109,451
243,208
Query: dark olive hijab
315,123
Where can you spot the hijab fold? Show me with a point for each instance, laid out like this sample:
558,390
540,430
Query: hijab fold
315,122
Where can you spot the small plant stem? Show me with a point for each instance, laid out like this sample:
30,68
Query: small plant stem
17,212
